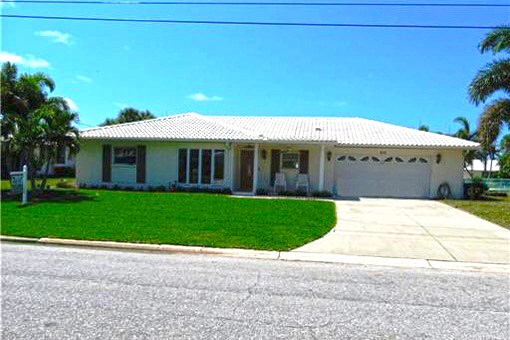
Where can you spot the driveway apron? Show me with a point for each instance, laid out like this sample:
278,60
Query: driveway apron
419,229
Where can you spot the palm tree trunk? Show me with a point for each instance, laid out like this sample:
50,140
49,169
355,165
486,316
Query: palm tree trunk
45,175
490,168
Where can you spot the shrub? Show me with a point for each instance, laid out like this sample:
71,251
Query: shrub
476,189
103,186
64,185
322,194
261,192
216,190
301,193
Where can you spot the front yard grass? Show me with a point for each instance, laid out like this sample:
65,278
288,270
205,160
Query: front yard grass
494,209
171,218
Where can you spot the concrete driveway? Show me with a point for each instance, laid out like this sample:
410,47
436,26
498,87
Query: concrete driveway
419,229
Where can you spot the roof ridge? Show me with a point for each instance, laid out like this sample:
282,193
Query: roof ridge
106,127
230,126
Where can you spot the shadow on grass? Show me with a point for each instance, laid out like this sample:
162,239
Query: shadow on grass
50,196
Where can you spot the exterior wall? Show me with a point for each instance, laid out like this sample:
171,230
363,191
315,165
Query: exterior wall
161,163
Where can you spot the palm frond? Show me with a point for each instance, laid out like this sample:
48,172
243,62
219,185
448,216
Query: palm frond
494,77
492,120
496,40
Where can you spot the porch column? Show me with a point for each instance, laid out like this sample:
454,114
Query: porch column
232,167
321,169
255,168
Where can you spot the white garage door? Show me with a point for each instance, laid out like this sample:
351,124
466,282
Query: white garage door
382,176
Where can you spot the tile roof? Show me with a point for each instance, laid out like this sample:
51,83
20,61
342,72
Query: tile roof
339,131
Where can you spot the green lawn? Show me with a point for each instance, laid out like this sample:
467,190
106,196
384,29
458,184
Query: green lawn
494,209
6,184
172,218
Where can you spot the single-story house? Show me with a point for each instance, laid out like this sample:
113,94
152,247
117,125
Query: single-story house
350,157
477,168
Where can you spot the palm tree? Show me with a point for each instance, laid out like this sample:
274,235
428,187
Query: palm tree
21,96
57,120
505,144
465,132
33,124
424,127
494,77
129,114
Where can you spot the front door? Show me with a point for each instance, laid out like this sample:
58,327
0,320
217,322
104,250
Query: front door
246,170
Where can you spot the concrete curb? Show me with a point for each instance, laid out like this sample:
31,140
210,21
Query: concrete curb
275,255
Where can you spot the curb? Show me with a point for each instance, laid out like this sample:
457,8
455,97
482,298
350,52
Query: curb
275,255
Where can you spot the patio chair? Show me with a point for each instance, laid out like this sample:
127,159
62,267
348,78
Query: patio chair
280,182
303,182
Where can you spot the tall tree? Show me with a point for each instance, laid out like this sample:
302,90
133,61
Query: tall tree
505,144
129,114
34,125
493,78
424,127
465,132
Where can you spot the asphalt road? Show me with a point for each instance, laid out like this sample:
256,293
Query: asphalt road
73,293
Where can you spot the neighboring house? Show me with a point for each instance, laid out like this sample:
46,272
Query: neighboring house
350,157
477,168
63,165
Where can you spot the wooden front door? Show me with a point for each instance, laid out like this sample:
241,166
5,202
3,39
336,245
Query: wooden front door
246,183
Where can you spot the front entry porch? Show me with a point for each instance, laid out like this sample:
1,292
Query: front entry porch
273,167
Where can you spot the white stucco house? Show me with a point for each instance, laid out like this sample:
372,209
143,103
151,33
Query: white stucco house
350,157
477,168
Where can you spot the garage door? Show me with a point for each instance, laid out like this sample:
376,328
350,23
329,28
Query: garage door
377,176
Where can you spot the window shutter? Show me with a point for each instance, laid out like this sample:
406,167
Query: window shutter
107,163
275,164
303,161
140,163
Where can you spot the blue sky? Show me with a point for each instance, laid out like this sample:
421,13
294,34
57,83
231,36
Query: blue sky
402,76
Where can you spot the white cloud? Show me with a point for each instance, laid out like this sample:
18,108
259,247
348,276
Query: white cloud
200,97
84,78
55,36
71,103
28,61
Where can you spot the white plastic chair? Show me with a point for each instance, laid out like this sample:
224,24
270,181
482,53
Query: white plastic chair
303,181
280,182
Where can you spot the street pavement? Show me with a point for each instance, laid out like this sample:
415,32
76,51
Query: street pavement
417,229
53,292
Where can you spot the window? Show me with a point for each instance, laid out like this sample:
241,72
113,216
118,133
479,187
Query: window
399,160
365,159
219,164
352,158
290,160
183,164
375,159
193,173
201,166
423,160
389,159
123,155
412,160
206,166
341,158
